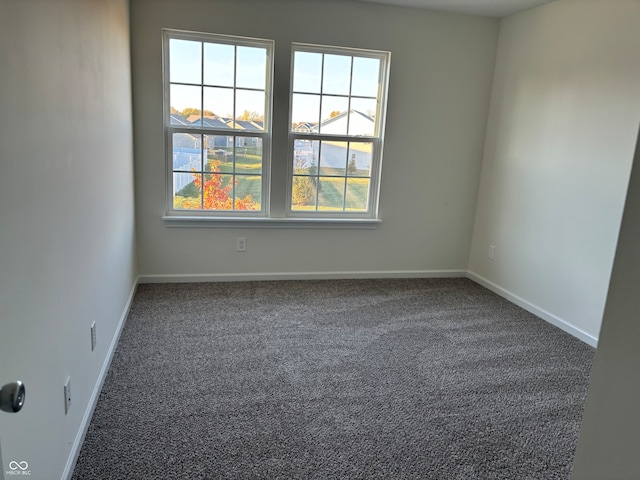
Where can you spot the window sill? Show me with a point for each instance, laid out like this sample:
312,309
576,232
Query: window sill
263,222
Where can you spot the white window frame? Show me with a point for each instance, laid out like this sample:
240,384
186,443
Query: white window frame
265,134
376,140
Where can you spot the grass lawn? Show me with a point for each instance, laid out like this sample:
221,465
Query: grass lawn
251,185
245,163
332,195
248,169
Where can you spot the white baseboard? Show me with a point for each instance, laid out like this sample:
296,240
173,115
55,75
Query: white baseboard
239,277
93,401
528,306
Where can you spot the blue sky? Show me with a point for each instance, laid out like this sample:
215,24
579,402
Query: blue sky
314,73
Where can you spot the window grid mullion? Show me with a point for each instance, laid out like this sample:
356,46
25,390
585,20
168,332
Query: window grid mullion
201,175
202,170
349,97
202,88
317,176
210,85
235,84
233,175
224,133
321,96
344,201
344,191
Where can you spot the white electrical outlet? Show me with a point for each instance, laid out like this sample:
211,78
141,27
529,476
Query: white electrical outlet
67,395
241,244
492,252
93,336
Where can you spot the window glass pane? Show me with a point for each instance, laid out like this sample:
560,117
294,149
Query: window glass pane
248,192
218,192
329,174
187,153
185,101
185,61
304,192
305,154
213,121
177,119
307,72
357,195
362,121
218,64
248,155
366,73
331,194
219,101
187,194
249,107
219,153
359,159
251,67
337,74
218,85
333,158
334,118
305,111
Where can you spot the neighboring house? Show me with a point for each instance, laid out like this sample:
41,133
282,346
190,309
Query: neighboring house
214,122
305,127
177,119
186,140
183,142
246,125
195,117
357,122
219,141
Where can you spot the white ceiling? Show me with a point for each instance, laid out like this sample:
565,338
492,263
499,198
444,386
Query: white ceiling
487,8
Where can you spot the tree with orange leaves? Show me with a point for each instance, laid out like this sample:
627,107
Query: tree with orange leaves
218,196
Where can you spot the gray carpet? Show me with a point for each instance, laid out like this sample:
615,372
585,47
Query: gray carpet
394,379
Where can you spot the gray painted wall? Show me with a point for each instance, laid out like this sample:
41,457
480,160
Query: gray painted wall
66,213
560,140
610,434
440,81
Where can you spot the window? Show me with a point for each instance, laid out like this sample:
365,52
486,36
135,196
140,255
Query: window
218,96
217,119
337,103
